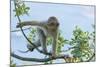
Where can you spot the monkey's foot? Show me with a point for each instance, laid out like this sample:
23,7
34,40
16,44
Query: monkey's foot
53,55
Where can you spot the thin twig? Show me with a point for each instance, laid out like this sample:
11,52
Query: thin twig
68,49
20,30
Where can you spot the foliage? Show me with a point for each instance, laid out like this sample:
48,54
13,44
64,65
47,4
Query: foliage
32,34
60,43
12,64
80,40
73,60
21,8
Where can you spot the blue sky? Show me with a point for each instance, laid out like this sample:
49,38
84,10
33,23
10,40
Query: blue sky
68,15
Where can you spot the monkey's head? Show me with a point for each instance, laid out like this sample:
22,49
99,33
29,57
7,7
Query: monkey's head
53,22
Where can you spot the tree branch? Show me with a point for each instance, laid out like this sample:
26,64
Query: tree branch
20,30
38,60
47,59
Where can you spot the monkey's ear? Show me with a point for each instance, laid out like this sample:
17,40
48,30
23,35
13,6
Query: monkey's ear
57,24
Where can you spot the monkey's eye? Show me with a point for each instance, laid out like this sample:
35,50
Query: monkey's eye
57,24
52,23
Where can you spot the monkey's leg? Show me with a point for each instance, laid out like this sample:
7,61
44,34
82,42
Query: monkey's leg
42,38
30,47
54,46
54,49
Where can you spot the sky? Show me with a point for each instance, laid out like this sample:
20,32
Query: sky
68,15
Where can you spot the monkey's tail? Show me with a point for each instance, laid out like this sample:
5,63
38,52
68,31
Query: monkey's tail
23,51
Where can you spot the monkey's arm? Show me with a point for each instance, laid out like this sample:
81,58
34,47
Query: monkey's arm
42,40
27,23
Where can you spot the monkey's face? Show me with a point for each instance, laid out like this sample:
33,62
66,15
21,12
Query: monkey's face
53,23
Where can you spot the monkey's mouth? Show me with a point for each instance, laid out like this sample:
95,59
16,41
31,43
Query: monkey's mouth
51,23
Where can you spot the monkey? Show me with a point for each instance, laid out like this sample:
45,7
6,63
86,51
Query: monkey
45,29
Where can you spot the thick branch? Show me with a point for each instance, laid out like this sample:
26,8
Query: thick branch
46,59
38,60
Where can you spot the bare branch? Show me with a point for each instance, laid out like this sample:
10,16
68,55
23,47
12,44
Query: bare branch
38,60
47,59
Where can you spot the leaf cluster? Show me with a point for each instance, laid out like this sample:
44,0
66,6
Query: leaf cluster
80,40
21,8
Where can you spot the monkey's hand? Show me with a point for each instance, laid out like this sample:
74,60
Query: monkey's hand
53,55
19,25
30,47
